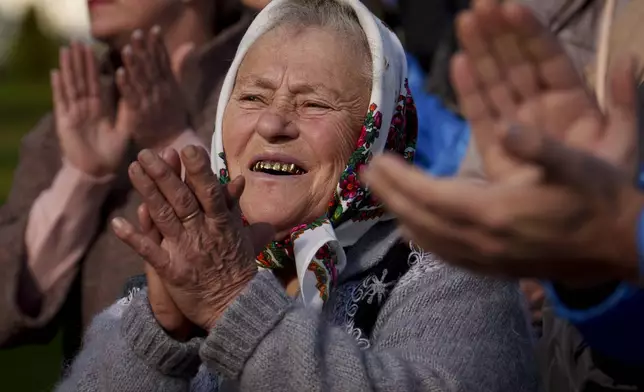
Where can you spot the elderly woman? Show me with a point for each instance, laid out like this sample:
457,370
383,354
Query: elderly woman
339,302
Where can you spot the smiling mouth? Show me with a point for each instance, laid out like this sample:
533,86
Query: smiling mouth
277,168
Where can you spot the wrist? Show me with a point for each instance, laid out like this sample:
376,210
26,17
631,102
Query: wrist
90,171
83,181
231,293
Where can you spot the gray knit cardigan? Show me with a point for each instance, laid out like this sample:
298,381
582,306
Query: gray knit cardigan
440,329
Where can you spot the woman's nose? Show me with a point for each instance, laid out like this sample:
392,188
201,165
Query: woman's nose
275,127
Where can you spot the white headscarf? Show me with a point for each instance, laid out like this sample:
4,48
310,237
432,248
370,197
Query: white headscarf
318,247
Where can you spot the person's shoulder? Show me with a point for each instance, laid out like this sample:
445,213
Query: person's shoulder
111,318
429,276
43,134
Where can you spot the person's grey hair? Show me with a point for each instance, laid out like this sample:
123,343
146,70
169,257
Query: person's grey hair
330,15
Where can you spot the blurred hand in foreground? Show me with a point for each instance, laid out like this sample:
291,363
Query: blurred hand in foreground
513,70
557,206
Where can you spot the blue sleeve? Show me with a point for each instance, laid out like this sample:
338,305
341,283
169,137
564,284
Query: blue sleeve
442,135
615,327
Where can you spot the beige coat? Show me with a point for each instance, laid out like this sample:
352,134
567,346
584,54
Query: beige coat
107,263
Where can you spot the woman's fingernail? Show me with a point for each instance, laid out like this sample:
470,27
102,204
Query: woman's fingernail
146,156
137,34
167,153
135,169
127,50
118,224
156,29
190,151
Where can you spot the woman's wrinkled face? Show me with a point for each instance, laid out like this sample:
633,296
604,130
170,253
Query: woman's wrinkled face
292,123
112,21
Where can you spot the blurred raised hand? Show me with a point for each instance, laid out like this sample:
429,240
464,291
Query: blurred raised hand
559,202
150,91
513,70
89,138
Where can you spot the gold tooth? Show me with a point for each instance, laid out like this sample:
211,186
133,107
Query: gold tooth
284,167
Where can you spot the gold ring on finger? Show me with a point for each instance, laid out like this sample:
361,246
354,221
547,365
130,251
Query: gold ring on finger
191,216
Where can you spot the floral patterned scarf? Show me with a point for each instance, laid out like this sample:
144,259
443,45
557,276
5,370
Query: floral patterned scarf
390,124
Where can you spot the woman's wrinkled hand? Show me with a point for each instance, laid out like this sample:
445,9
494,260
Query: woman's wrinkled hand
89,139
163,307
150,90
207,256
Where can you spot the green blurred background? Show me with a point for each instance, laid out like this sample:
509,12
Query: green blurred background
24,98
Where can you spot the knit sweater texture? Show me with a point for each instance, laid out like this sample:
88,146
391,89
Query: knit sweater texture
440,329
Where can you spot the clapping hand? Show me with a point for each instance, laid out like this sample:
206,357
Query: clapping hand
550,208
207,255
513,70
164,308
150,91
90,140
578,225
150,110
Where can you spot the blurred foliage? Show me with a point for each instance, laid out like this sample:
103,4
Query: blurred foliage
34,52
24,98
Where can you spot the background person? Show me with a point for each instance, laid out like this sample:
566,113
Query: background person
60,264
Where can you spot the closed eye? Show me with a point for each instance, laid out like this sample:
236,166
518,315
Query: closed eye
250,98
316,105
